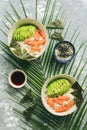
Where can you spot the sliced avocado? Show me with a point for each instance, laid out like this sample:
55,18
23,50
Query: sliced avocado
58,87
24,32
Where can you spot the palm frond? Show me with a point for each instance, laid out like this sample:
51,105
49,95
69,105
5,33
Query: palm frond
63,14
80,61
59,11
8,19
16,13
3,32
84,81
5,24
74,33
67,29
80,47
36,9
79,74
44,67
52,12
25,14
78,34
46,11
11,18
76,117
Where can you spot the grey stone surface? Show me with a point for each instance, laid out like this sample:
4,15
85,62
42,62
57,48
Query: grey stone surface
78,15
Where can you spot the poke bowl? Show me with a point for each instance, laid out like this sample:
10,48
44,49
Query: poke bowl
61,95
28,39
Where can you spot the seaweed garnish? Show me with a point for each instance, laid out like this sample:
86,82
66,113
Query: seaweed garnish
78,102
77,86
20,52
29,99
77,93
57,24
57,36
28,112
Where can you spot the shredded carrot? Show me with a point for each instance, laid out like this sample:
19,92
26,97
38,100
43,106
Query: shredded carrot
64,97
50,102
41,34
61,99
29,42
35,48
41,42
26,40
65,107
61,103
39,39
37,35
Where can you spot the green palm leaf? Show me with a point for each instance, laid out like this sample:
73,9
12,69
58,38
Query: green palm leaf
42,68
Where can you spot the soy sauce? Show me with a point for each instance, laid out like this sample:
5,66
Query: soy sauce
17,78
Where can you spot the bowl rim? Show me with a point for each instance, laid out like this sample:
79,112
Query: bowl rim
60,59
47,107
10,82
21,22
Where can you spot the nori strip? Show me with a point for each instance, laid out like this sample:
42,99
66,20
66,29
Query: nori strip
77,86
78,102
28,97
57,24
57,36
77,93
28,112
22,53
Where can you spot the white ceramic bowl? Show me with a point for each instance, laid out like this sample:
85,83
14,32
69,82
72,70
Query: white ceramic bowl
43,95
31,22
19,80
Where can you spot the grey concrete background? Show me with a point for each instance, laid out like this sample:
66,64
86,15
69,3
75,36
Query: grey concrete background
78,15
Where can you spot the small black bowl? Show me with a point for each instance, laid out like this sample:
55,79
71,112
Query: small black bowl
64,51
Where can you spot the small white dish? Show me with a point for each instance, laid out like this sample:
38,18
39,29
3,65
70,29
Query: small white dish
43,95
17,78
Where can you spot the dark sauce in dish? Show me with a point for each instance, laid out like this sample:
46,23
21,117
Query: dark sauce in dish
17,78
